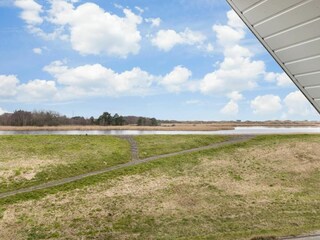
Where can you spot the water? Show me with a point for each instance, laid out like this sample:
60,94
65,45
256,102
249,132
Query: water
237,130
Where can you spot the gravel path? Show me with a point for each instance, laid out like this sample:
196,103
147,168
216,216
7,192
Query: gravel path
135,161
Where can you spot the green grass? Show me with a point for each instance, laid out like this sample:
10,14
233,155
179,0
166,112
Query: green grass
152,145
265,187
54,157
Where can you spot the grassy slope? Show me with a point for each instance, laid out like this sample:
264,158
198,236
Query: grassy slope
268,186
54,157
151,145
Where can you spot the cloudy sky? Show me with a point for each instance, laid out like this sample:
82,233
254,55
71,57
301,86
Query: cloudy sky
169,59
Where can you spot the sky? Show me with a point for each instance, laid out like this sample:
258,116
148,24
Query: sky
169,59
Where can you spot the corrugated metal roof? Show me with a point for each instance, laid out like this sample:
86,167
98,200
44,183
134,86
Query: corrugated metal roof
290,31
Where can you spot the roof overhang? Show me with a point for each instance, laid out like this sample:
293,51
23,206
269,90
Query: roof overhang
290,31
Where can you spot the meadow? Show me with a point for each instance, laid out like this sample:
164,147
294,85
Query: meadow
265,187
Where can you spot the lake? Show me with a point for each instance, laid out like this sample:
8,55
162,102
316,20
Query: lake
237,130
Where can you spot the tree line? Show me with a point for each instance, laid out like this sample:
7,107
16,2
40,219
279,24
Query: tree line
51,118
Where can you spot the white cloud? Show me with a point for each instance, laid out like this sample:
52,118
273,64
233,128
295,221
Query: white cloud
30,11
93,80
2,111
209,47
139,9
235,96
297,105
155,22
97,80
8,85
227,35
238,71
231,108
237,51
167,39
176,79
37,51
266,105
281,79
36,90
234,74
89,28
94,31
234,20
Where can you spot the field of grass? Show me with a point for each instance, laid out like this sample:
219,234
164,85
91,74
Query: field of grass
29,160
151,145
268,186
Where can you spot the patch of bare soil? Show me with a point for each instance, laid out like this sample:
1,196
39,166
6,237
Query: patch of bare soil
22,168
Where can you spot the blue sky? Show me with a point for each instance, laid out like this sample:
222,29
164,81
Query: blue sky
177,59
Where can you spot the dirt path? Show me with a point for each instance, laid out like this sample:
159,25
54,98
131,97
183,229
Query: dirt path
135,161
133,146
311,237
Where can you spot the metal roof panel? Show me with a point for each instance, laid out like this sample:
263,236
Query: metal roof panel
290,31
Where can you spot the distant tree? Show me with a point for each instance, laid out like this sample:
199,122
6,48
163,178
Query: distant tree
105,119
122,121
154,122
118,120
92,121
115,119
142,121
21,118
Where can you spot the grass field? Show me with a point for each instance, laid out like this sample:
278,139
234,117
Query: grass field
268,186
151,145
29,160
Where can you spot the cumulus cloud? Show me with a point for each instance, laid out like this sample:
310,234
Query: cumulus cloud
297,105
31,11
238,71
266,105
293,106
11,88
89,28
93,80
167,39
36,90
234,74
227,35
232,107
97,80
176,79
95,31
155,22
8,86
281,79
235,96
235,21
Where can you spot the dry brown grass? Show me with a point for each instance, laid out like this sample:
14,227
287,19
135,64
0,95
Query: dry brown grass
27,167
222,196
